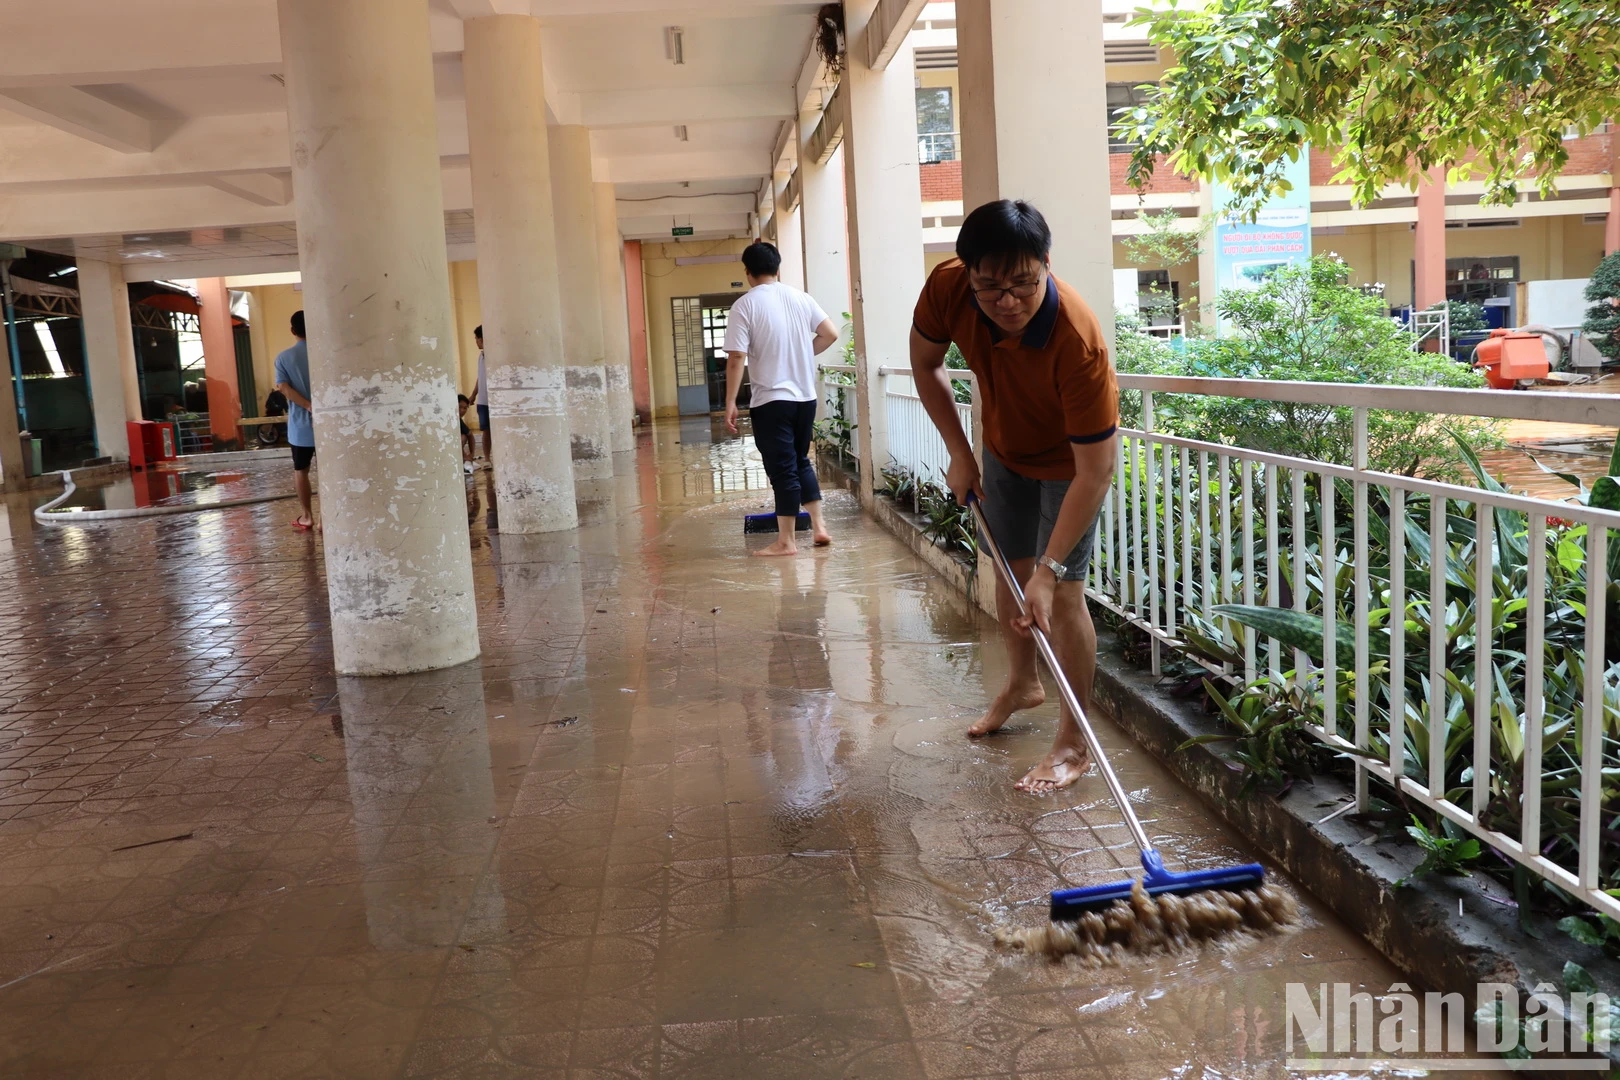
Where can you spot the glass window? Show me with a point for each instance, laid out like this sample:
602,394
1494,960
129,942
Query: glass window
934,112
1122,95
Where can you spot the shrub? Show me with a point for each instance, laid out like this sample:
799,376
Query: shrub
1308,324
1603,317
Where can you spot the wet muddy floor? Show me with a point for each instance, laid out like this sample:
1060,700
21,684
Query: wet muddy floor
692,814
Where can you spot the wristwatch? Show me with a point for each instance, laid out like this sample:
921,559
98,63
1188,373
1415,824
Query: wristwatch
1057,568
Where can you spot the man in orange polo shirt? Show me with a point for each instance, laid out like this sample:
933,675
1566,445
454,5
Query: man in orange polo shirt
1050,405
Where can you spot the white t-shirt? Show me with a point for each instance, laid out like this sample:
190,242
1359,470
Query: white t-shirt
775,326
483,382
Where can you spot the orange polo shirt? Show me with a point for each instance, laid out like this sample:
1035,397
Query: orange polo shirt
1041,390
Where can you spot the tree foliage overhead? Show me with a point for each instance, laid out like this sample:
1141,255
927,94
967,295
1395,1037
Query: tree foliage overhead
1486,87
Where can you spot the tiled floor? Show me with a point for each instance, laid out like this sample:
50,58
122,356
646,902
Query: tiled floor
691,815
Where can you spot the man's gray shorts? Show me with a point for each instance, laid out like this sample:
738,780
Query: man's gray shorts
1021,513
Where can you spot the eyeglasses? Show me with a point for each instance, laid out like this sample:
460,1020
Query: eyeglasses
1022,291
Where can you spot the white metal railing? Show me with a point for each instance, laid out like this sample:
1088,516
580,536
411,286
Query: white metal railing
934,147
1191,525
915,444
1432,325
1167,330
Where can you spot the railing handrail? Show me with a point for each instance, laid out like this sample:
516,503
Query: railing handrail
842,369
1602,410
956,373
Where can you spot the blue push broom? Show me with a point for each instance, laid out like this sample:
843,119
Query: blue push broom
1162,910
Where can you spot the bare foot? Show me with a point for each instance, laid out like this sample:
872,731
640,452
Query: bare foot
1062,767
781,547
1007,702
823,539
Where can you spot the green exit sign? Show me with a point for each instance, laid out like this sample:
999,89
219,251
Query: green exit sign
681,230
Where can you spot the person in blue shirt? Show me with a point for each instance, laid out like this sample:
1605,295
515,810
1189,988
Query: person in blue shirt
292,379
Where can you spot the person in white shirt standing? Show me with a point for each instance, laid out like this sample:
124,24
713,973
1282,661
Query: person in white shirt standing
777,331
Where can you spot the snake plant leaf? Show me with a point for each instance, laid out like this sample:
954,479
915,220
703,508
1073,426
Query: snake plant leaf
1297,630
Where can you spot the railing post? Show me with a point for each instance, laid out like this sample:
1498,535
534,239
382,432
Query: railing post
1152,531
1363,600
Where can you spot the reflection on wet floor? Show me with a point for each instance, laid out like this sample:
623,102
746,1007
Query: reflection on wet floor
692,814
193,484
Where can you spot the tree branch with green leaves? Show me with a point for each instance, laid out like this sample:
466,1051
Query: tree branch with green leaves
1486,88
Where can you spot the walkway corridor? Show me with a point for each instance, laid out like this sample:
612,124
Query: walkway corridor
691,815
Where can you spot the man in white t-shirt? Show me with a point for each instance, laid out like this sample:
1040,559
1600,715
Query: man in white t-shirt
481,400
777,331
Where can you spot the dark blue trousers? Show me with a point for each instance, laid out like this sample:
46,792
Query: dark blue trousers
782,431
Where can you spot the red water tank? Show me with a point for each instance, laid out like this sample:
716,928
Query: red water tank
1508,357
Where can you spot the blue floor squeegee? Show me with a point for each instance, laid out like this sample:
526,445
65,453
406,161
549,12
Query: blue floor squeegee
1070,904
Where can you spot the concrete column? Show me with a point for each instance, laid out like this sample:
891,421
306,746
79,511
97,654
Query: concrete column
885,235
219,363
825,229
13,469
1429,241
376,291
635,304
1013,53
575,209
109,347
789,233
517,274
615,320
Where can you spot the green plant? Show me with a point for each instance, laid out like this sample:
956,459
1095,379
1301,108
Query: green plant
1465,318
1442,853
1398,86
1308,323
1602,323
945,522
1272,746
1163,244
954,360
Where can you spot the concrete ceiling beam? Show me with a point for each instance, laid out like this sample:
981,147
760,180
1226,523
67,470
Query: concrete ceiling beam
685,205
684,105
198,204
261,189
658,227
887,30
696,165
36,158
147,42
84,115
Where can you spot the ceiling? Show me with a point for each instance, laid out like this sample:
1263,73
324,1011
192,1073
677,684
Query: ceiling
155,132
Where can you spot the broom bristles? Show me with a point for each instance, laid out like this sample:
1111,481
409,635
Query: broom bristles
1147,924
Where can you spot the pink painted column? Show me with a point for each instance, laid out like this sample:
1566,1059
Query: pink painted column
219,363
635,301
1429,244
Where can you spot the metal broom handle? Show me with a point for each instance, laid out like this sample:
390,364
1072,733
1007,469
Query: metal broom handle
1115,788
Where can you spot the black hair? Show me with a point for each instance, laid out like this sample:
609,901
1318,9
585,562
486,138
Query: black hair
761,259
461,398
298,324
478,331
1005,234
